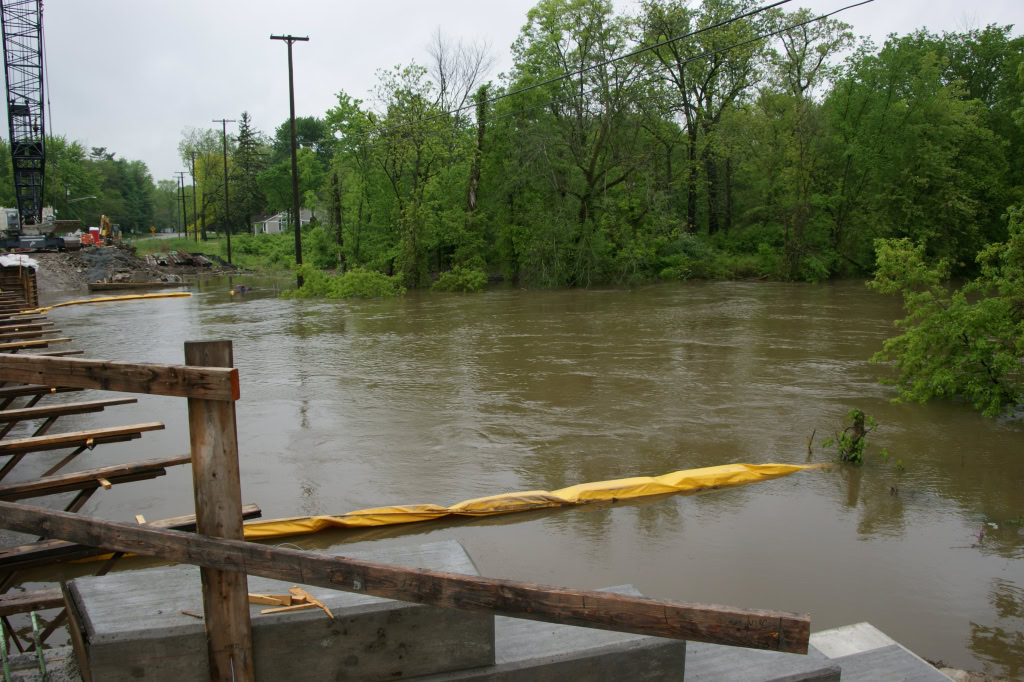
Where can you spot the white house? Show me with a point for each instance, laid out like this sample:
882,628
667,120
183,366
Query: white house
277,222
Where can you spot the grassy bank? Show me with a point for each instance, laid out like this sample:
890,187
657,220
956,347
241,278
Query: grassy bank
245,251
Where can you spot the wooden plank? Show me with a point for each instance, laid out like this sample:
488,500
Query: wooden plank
74,438
28,334
14,345
210,383
753,628
27,327
297,607
35,600
83,407
81,480
22,320
51,551
60,353
269,599
33,389
218,495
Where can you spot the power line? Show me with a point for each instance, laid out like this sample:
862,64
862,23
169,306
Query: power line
704,55
578,72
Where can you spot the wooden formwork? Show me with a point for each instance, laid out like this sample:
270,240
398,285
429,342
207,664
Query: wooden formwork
20,281
210,384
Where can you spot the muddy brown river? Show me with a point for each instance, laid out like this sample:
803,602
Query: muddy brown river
439,398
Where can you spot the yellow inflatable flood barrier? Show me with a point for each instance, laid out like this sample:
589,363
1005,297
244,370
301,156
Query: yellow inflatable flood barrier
686,481
106,299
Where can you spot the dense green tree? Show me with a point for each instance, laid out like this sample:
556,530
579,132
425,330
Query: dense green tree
249,161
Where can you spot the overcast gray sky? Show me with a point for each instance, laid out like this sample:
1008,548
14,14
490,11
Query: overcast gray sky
129,75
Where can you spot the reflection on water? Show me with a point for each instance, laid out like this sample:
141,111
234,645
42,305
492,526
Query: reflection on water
439,398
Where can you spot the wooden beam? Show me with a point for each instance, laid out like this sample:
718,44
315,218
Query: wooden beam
36,600
74,438
218,495
79,480
27,327
753,628
16,345
60,353
32,389
209,383
24,319
49,552
83,407
28,334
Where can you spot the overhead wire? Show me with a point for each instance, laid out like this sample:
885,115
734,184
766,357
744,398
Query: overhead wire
578,72
703,55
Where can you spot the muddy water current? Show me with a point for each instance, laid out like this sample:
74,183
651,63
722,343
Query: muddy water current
440,398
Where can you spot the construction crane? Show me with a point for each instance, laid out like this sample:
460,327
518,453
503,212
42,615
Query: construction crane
22,23
22,26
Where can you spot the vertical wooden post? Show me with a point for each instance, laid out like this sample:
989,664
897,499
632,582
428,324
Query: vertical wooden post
218,495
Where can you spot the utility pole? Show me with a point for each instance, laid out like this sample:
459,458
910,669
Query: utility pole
195,213
184,206
295,164
227,205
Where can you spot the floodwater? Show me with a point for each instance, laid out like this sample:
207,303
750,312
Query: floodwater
439,398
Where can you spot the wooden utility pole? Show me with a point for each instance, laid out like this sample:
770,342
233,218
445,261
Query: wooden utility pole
227,204
218,495
295,165
184,206
195,213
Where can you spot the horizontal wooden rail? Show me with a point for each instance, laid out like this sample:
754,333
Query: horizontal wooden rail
27,334
22,320
27,327
83,407
208,383
46,552
40,343
74,438
758,629
36,600
81,480
32,389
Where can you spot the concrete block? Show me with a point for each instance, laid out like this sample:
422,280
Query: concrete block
134,629
60,666
888,663
714,662
533,651
866,653
850,639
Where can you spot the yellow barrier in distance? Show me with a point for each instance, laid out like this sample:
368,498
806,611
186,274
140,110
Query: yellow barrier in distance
686,481
105,299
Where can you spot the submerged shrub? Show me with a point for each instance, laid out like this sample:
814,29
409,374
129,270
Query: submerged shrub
358,283
464,279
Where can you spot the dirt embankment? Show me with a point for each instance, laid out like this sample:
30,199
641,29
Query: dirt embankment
73,270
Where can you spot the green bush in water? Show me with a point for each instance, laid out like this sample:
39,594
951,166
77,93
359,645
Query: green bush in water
463,279
358,283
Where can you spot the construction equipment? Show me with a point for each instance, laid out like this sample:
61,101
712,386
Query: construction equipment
21,22
109,233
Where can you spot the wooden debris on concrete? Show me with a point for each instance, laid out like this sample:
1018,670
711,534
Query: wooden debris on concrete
299,592
297,607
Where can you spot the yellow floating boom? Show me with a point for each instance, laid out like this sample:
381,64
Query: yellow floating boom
686,481
107,299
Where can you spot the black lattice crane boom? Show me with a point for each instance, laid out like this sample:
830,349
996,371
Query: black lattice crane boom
22,23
